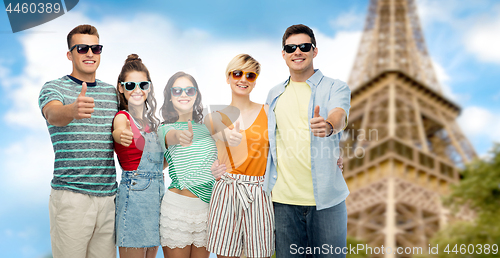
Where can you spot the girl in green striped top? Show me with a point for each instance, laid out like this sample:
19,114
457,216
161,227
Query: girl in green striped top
189,152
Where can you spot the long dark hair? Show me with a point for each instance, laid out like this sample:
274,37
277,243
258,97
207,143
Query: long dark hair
134,63
167,110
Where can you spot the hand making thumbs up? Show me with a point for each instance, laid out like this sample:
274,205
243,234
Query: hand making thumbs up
126,135
234,137
218,169
185,137
319,127
83,106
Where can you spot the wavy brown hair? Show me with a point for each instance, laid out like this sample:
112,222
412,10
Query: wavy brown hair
134,63
167,110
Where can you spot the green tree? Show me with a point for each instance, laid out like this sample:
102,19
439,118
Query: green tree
354,242
479,191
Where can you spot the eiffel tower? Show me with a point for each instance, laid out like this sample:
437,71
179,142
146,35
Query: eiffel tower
403,145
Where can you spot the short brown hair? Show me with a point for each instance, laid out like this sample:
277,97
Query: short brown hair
82,29
298,29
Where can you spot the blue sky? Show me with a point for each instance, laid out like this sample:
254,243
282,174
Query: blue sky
200,37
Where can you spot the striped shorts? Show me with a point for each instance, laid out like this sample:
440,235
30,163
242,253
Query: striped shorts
240,217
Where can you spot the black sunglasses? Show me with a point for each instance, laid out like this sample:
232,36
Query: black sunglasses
130,86
84,49
177,91
304,47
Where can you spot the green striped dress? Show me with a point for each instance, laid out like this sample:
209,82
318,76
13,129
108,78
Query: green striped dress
189,167
84,148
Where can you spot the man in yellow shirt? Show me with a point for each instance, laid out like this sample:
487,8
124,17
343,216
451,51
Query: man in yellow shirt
307,112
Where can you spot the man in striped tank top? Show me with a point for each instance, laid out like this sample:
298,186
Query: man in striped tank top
79,111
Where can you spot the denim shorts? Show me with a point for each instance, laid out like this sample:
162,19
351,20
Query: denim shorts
138,209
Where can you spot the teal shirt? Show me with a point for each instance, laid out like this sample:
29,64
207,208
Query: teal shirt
84,148
189,167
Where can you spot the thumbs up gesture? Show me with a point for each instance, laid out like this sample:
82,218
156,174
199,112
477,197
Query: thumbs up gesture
234,136
218,169
319,127
126,135
340,163
185,137
83,106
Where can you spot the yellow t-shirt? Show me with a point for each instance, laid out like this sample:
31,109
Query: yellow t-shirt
293,142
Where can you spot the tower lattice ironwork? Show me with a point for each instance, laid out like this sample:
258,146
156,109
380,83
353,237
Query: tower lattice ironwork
403,145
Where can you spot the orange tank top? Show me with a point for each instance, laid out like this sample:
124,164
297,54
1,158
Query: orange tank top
250,156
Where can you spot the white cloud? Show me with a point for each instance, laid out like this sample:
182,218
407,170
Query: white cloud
29,163
441,73
483,39
444,81
436,11
27,233
8,233
3,70
479,122
475,23
336,55
449,12
25,240
496,96
28,250
164,49
348,21
22,112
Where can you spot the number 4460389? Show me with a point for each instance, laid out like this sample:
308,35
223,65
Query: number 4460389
34,8
472,249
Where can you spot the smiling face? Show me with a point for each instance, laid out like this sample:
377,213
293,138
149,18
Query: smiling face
137,97
84,65
300,62
183,104
241,86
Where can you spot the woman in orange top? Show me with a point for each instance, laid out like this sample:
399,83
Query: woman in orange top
241,215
